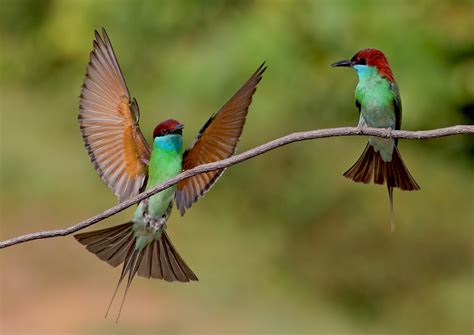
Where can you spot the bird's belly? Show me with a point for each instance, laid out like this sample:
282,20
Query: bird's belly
378,116
154,207
151,216
159,203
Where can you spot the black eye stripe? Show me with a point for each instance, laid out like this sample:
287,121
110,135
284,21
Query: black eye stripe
362,61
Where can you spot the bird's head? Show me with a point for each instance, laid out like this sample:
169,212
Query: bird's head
168,127
367,58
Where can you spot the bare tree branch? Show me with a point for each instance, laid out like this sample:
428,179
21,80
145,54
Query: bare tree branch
279,142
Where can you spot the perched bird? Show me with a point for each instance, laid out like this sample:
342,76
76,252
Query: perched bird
118,150
378,100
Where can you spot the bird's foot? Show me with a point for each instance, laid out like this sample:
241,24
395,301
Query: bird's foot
157,225
160,224
147,218
389,132
361,127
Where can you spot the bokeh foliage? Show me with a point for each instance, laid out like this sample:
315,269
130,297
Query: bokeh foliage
283,242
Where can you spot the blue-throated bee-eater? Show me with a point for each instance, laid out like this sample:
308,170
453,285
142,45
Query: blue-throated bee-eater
109,122
380,106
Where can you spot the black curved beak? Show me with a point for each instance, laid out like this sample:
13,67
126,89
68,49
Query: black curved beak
179,127
346,63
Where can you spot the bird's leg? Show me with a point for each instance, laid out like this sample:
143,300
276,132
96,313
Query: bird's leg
166,216
160,223
146,215
389,132
362,124
148,219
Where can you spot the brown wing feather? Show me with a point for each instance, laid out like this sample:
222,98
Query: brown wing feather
217,140
115,144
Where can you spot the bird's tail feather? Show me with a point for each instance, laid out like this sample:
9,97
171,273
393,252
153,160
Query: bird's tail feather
390,197
371,167
116,245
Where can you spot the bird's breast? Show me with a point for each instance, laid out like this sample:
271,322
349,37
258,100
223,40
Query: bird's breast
376,102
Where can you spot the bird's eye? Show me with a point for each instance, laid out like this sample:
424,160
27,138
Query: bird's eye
165,131
362,61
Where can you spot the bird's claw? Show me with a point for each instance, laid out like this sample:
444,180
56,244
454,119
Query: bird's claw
361,125
360,128
389,132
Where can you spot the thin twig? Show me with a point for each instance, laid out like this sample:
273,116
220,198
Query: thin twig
279,142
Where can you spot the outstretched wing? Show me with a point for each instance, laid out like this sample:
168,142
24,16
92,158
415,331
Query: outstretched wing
217,140
108,120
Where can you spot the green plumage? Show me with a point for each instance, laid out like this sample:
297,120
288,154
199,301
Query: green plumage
379,106
378,100
151,215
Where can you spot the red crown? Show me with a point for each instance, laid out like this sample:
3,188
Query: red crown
375,57
165,127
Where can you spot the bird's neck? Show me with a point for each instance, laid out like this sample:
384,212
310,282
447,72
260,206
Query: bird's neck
370,80
370,74
173,143
367,73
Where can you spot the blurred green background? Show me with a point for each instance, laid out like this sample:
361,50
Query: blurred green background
283,243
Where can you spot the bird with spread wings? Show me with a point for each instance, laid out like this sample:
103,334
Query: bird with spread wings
128,164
